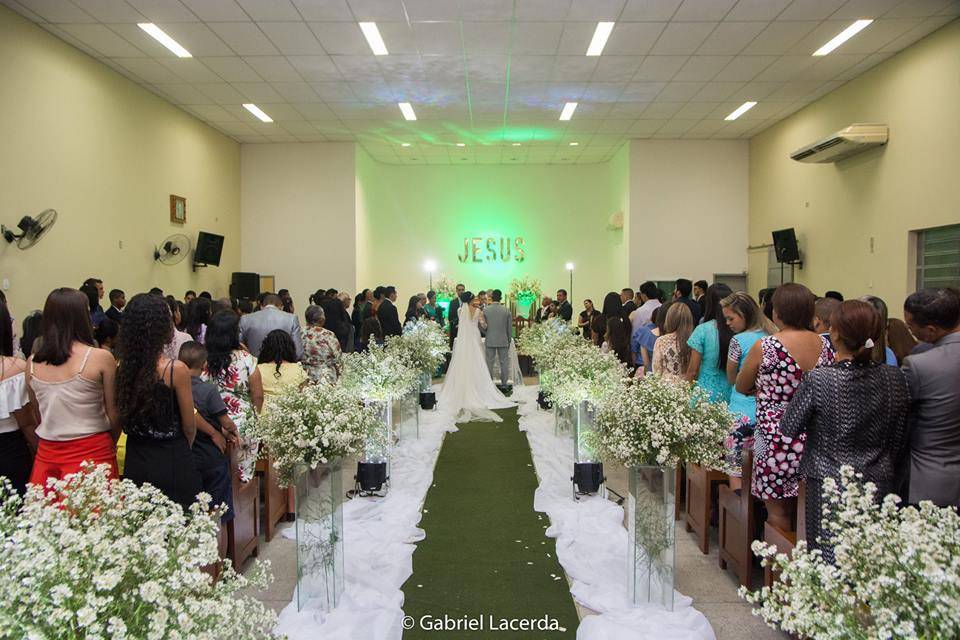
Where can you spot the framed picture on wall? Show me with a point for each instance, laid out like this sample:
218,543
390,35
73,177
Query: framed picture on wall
178,209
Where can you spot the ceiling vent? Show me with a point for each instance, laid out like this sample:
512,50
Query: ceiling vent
844,143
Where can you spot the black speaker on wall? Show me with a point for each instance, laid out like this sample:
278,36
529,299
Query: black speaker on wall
785,246
245,286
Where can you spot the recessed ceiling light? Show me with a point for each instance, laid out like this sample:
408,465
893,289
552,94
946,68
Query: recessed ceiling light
568,110
842,37
739,111
407,110
404,144
372,34
600,38
461,144
160,36
257,111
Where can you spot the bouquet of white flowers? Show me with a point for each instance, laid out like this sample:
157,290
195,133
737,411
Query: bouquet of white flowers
423,345
377,375
655,421
547,342
525,286
582,373
897,571
314,425
98,558
445,287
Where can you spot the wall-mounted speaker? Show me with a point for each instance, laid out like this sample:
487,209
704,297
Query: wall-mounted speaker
245,286
785,246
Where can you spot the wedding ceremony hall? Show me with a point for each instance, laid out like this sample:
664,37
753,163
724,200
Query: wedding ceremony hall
479,319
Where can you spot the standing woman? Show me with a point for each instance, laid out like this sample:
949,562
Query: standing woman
155,401
586,317
745,319
198,314
881,351
671,353
414,309
17,417
710,342
853,412
72,384
774,368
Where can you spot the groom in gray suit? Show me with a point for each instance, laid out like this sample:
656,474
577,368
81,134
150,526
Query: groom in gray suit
499,330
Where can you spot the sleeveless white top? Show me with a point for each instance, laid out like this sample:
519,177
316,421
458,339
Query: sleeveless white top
13,396
71,408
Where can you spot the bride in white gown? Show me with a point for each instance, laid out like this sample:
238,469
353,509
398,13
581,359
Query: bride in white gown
468,392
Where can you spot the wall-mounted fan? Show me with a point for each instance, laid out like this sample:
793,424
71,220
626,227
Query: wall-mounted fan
31,229
172,250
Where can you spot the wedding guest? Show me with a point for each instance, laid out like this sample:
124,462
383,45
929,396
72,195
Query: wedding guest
699,291
17,415
836,295
30,339
118,300
387,313
106,334
822,310
774,368
618,340
370,332
644,339
72,385
671,351
748,324
649,302
544,310
198,314
453,312
221,304
901,341
881,352
682,294
414,310
377,299
564,308
287,301
93,302
255,327
244,306
321,349
97,284
765,300
278,365
157,291
189,296
612,306
710,342
203,294
933,377
432,309
232,368
626,301
172,350
598,331
586,317
853,413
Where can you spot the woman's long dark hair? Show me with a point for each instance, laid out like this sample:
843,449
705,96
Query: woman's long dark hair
198,314
612,306
618,338
412,308
713,310
6,331
221,340
277,348
66,319
31,331
146,329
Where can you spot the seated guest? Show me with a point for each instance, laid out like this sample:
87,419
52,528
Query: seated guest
198,314
18,421
853,413
586,317
189,296
774,368
118,300
214,430
901,341
544,310
321,349
748,325
370,332
933,377
72,385
881,352
649,302
822,310
155,403
414,310
710,342
93,302
106,334
278,365
682,294
671,351
255,327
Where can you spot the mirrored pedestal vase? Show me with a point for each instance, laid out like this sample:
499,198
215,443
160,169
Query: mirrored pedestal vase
652,535
564,420
319,530
407,416
587,467
373,468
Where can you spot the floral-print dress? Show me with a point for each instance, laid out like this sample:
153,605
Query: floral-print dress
234,385
321,354
777,457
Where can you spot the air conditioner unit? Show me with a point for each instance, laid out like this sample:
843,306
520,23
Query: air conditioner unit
844,143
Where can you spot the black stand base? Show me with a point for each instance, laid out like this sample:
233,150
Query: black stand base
587,478
506,389
371,478
542,401
428,400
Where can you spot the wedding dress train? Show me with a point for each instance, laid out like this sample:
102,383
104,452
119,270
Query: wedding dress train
469,393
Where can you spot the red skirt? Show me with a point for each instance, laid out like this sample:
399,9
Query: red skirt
57,459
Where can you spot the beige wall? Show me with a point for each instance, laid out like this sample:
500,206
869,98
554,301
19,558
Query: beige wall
877,197
80,138
299,215
688,209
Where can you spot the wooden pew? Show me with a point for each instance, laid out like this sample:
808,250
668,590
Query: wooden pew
738,521
698,503
276,501
785,541
243,532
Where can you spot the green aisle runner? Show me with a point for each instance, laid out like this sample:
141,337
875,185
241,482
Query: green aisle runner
471,569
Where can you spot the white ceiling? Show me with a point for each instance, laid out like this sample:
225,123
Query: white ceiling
489,73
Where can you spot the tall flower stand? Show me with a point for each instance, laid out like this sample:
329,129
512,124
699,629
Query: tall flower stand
564,420
428,398
319,527
587,466
652,535
373,468
407,415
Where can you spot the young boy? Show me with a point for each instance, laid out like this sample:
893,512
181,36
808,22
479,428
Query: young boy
214,429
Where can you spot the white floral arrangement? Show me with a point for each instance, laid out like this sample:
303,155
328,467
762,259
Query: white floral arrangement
581,373
378,376
314,425
94,558
525,286
445,287
657,421
897,570
423,345
248,450
546,342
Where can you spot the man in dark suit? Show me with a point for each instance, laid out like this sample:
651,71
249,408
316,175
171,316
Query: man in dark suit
387,313
626,299
453,313
699,290
118,300
563,305
337,319
682,294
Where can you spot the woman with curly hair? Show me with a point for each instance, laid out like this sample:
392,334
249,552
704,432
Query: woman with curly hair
198,314
278,364
232,368
155,402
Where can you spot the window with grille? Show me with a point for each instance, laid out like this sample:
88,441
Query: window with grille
938,257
